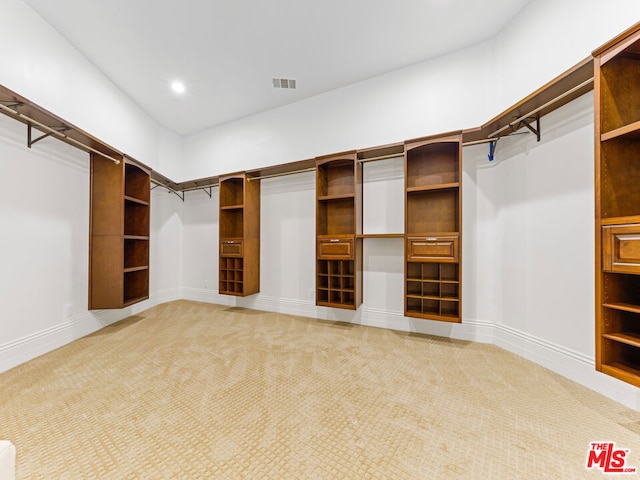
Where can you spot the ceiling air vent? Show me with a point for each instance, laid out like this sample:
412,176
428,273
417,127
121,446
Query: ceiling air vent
284,83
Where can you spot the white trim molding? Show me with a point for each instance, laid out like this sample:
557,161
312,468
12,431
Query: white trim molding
573,365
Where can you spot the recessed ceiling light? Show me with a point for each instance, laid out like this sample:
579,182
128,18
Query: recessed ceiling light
178,87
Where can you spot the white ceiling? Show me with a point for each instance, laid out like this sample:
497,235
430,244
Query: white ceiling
227,51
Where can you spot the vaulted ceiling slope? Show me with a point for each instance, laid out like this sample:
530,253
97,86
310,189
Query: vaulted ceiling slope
227,52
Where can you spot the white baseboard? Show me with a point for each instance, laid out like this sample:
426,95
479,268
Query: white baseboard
573,365
31,346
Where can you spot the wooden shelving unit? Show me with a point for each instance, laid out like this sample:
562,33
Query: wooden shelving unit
119,234
338,222
433,275
239,261
617,94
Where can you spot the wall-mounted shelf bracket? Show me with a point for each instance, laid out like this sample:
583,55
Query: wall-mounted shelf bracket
11,104
31,140
180,195
526,122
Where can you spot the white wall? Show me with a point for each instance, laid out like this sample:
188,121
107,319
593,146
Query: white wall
44,247
43,67
440,95
528,216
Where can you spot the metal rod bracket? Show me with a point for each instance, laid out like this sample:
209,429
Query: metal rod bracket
526,122
31,140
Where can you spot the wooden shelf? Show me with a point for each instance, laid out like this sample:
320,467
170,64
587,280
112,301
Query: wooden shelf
627,220
380,235
135,269
628,131
622,372
625,307
325,198
136,200
232,207
559,91
135,237
437,186
632,339
133,300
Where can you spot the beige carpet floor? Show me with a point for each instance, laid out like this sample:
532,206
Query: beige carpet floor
189,390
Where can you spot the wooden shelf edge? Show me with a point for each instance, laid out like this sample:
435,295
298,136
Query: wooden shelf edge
136,237
438,186
433,316
136,269
136,200
633,129
622,372
626,307
134,300
380,235
630,220
432,297
336,305
626,338
342,196
565,82
232,207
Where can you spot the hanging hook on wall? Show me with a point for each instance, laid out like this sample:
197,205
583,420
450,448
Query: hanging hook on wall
492,149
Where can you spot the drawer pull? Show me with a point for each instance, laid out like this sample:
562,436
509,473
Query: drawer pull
334,240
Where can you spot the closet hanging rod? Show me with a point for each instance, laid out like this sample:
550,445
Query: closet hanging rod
47,129
542,107
200,187
490,140
381,157
273,175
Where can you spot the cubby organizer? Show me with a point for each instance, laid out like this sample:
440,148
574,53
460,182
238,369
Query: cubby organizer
432,228
338,221
239,259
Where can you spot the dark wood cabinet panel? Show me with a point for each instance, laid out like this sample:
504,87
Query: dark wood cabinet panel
434,249
336,247
118,233
621,249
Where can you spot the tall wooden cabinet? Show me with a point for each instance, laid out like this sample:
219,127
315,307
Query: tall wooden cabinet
239,261
338,221
433,274
118,233
617,189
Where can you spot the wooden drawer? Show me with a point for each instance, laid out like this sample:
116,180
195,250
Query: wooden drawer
231,248
432,249
336,248
621,249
